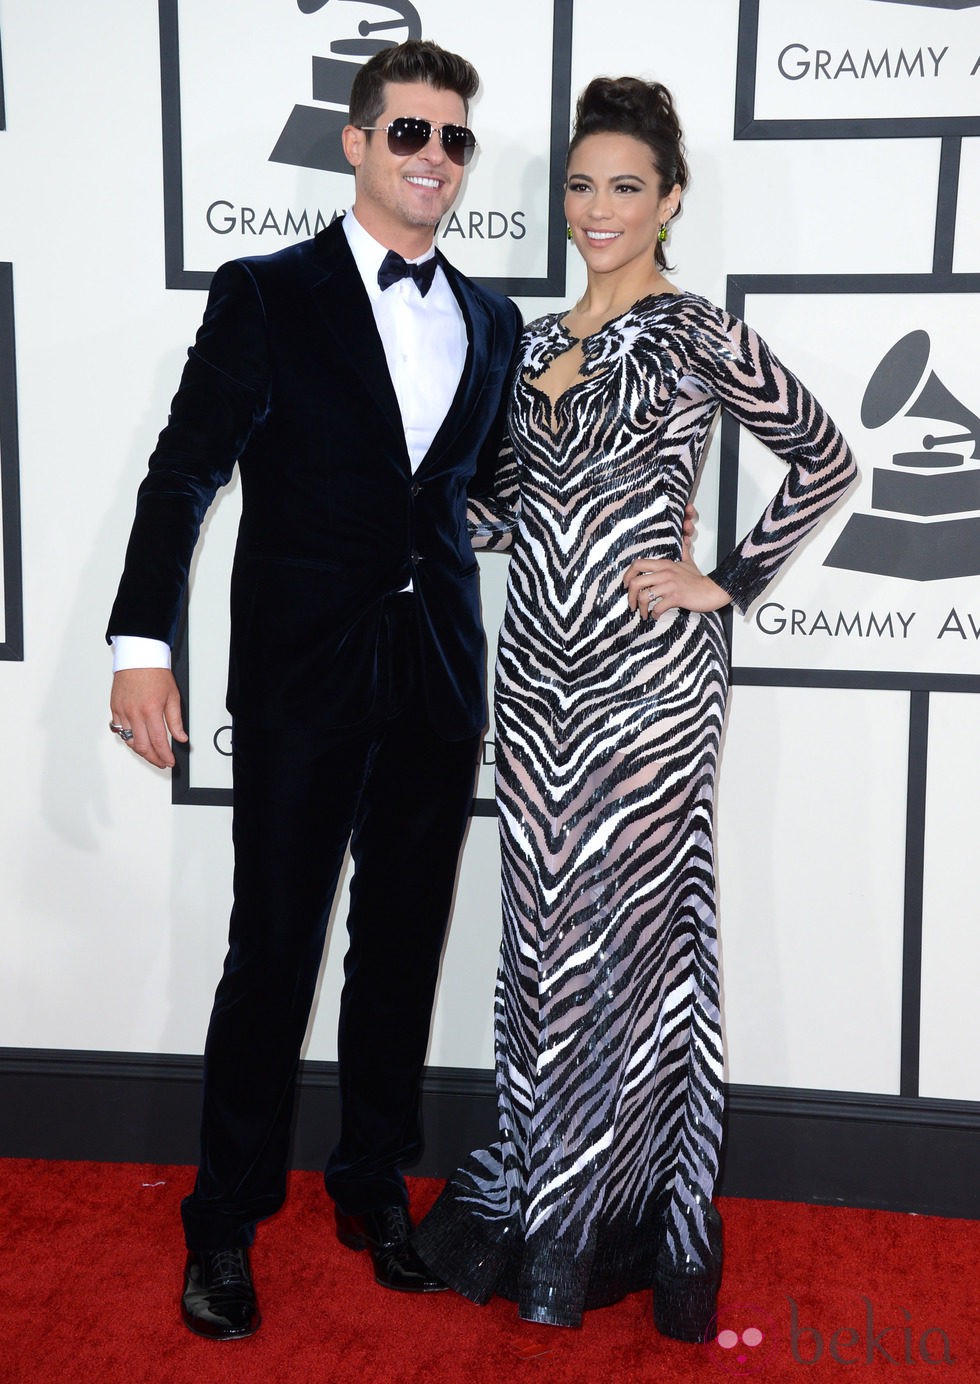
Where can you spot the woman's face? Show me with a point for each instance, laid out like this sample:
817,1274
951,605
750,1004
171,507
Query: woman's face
613,202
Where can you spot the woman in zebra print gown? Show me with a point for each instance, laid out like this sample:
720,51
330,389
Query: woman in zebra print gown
610,695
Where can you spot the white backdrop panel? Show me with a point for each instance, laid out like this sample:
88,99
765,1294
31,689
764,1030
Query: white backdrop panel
238,86
951,941
842,61
966,255
811,829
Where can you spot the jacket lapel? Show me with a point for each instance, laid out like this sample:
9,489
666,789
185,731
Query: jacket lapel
345,311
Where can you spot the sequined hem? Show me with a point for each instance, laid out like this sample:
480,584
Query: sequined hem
480,1259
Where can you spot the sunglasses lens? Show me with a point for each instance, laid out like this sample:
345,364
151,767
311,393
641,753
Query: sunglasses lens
406,135
458,143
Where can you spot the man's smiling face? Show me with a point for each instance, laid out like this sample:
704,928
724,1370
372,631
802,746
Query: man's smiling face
400,200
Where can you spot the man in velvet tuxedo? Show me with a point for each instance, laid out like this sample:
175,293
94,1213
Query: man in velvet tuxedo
360,393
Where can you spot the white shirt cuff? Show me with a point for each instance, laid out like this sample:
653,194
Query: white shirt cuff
133,651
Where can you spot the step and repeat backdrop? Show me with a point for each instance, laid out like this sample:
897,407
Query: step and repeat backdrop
834,204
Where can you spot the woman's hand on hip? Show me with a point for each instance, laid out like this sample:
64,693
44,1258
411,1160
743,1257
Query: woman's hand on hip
656,585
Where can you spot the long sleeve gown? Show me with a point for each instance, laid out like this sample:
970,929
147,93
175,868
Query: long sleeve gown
607,1030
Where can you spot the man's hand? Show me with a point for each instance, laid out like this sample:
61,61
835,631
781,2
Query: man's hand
687,530
146,701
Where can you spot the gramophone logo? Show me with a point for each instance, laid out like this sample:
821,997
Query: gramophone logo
311,137
925,520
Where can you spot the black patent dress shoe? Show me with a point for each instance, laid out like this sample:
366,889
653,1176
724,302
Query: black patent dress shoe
385,1232
219,1297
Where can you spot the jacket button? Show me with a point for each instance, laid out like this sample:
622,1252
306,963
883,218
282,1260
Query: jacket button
416,557
416,488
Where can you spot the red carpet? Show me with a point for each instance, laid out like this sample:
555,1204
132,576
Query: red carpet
91,1259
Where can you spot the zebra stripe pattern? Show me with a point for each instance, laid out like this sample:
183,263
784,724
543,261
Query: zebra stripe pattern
607,1028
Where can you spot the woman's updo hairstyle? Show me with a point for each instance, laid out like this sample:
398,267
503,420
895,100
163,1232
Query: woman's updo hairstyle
642,110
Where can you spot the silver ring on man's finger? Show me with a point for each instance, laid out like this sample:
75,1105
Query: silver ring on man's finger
126,734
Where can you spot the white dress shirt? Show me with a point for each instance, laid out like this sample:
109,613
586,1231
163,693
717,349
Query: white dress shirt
424,339
424,342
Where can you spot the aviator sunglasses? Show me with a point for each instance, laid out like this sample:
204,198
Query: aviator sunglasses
409,134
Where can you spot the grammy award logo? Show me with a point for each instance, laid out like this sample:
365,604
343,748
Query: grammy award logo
926,520
311,136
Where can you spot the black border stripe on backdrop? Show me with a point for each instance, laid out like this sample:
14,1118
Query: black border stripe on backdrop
915,850
552,285
173,173
12,645
946,203
747,126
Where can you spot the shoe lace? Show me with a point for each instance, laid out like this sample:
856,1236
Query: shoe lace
395,1225
227,1270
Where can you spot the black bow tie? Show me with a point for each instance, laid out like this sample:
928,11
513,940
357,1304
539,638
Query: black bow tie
393,268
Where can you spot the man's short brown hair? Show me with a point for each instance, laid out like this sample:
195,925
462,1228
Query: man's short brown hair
415,60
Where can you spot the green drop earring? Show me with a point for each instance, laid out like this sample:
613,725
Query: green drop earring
662,233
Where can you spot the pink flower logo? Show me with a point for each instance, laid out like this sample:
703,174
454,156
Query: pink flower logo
745,1340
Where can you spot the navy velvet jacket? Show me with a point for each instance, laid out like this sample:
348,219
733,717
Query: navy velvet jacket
288,378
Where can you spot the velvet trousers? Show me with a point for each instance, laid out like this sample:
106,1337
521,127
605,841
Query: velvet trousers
399,795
